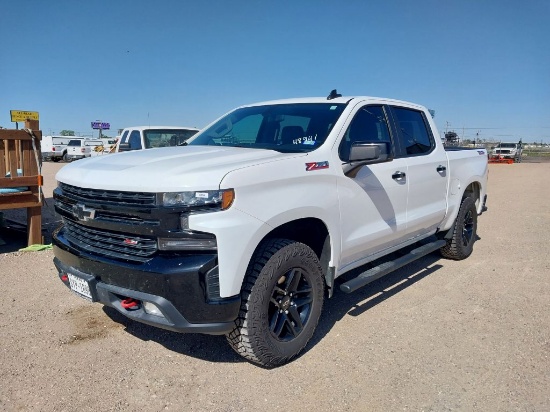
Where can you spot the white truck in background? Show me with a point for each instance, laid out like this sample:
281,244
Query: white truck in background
54,148
107,147
246,229
81,148
508,151
149,137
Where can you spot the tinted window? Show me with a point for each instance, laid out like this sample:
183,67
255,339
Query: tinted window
124,137
414,135
135,140
300,127
368,126
74,143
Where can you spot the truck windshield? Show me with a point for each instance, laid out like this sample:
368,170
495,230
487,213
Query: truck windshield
166,137
507,145
298,127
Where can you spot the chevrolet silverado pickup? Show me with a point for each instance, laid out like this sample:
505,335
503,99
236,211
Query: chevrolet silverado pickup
245,230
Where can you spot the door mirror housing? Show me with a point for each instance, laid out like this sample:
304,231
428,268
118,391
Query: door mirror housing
363,153
123,147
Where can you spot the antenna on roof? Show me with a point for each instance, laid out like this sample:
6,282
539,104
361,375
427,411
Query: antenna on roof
333,95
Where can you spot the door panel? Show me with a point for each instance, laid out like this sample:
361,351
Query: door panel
427,202
373,208
427,174
373,204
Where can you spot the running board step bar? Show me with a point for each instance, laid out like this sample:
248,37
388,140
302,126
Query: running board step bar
387,267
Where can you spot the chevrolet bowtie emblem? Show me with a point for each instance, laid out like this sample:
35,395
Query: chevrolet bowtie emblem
83,213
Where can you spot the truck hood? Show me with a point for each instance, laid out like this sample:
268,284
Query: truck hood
165,169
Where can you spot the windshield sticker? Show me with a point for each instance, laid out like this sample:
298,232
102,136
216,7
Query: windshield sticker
305,140
316,166
333,107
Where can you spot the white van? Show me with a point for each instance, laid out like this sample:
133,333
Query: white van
149,137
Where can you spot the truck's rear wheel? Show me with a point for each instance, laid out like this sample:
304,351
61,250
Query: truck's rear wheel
282,298
461,243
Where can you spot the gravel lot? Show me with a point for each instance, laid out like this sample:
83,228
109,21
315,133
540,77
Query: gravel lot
437,335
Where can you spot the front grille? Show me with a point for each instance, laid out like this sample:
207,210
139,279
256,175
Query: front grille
110,244
109,196
504,151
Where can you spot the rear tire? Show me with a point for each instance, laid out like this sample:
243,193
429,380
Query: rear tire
282,298
461,243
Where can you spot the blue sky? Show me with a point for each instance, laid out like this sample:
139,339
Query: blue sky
482,65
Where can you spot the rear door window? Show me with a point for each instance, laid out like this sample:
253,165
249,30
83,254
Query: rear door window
414,135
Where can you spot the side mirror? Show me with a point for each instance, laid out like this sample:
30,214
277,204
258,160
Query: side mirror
362,153
123,147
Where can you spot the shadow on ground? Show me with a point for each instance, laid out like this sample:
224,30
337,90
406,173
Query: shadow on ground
13,226
215,348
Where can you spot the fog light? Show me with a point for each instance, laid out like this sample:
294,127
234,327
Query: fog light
187,244
152,309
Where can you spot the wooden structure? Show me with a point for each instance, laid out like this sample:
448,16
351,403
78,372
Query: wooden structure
20,168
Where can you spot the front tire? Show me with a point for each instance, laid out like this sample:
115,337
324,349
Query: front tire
461,243
282,298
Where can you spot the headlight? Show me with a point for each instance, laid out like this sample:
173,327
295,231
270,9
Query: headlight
221,198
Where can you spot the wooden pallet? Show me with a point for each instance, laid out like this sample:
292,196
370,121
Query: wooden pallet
19,169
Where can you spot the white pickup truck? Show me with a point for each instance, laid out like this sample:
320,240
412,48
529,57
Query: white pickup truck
246,229
54,148
81,148
508,151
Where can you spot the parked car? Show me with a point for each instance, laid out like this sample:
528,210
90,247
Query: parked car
245,229
79,149
149,137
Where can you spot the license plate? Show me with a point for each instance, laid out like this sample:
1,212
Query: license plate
79,286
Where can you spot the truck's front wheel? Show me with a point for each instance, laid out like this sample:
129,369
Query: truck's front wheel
282,298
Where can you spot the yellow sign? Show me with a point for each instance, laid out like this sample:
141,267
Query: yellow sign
21,116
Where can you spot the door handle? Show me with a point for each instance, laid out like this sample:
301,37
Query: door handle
398,175
441,168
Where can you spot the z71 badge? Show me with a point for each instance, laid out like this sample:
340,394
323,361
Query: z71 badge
316,166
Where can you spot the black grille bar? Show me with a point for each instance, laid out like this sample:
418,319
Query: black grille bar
109,196
104,243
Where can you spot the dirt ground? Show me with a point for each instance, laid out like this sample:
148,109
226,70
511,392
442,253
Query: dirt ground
437,335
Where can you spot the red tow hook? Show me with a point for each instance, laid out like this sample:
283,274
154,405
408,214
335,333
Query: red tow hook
130,304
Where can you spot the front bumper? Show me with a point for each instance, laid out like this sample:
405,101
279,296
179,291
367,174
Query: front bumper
175,284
